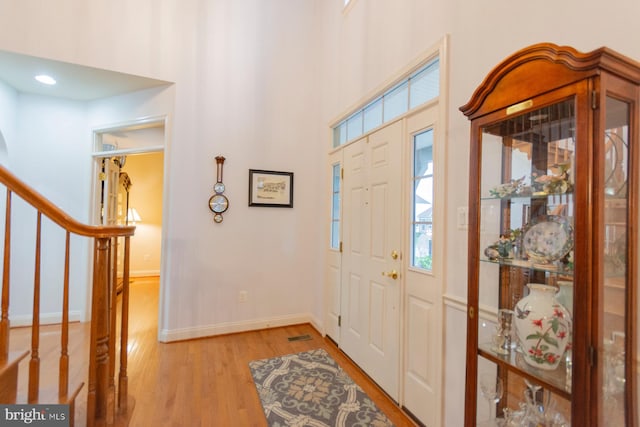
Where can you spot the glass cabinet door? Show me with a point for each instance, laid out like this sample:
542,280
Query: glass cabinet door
526,272
613,323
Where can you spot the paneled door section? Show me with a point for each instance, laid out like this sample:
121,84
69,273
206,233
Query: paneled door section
334,253
423,285
372,238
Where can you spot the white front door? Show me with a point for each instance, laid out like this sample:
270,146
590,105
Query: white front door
372,239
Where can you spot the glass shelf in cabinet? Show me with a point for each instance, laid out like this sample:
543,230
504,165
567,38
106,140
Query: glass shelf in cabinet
528,196
615,202
557,380
530,265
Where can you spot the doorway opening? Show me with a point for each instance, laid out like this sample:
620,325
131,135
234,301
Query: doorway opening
128,162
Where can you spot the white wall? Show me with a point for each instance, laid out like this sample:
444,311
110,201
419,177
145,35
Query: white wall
8,107
43,145
51,149
250,95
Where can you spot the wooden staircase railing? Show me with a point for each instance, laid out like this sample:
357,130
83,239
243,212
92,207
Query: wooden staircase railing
103,408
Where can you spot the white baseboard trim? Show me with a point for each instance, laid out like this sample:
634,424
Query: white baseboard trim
45,318
317,325
142,273
169,335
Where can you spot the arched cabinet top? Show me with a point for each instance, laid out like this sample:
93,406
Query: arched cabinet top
544,67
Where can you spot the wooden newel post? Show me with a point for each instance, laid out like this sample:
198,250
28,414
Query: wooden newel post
97,398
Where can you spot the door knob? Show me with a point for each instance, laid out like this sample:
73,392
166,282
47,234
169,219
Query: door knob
393,274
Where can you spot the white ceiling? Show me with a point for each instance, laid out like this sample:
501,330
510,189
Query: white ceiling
74,82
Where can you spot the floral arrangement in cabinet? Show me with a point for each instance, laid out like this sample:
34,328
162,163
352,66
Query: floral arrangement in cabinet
553,184
541,185
504,247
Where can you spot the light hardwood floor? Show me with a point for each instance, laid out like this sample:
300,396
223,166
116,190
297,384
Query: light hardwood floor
204,382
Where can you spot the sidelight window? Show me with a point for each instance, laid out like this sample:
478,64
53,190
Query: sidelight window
422,215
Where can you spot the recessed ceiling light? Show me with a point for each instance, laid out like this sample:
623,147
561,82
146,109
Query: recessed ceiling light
44,79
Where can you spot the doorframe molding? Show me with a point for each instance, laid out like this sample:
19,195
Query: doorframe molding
96,156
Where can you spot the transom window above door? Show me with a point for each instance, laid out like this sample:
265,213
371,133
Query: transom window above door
416,89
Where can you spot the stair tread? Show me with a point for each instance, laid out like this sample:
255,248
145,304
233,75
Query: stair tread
50,395
13,359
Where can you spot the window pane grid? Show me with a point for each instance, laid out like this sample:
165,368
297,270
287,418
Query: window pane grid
335,207
373,115
335,235
340,134
354,126
424,85
395,101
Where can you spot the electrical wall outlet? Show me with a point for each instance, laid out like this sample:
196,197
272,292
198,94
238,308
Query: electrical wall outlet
242,296
463,218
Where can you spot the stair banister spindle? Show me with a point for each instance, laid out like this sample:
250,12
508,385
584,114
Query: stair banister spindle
91,386
63,380
124,332
34,363
4,316
113,304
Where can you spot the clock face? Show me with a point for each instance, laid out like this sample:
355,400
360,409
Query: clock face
218,203
217,218
218,187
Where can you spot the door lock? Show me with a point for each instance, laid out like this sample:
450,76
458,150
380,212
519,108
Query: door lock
393,274
394,254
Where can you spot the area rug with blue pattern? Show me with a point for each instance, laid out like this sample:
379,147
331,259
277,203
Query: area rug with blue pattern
310,389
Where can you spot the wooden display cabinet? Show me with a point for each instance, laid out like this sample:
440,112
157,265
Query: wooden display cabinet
554,201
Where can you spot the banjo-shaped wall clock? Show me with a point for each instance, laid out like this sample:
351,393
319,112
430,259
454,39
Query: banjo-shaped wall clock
218,203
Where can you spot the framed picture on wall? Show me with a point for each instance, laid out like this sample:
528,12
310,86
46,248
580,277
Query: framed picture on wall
270,188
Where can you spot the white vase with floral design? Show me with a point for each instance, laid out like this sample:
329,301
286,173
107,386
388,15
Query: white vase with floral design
543,327
565,295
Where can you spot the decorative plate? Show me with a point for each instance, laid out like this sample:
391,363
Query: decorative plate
548,238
